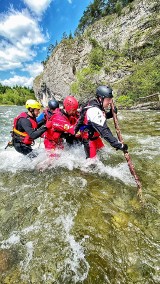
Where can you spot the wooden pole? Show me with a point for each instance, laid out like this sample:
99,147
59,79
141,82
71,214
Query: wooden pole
126,154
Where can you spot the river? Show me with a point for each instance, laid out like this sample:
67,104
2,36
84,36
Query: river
69,221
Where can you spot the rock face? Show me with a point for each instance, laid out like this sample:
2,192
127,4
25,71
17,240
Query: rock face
61,68
129,31
123,30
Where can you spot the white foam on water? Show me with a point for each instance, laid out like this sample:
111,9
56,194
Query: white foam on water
76,260
149,140
12,240
75,158
48,277
35,227
77,181
15,237
12,161
121,172
29,254
69,158
150,146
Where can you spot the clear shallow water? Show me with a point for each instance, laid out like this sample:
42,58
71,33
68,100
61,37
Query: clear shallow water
67,221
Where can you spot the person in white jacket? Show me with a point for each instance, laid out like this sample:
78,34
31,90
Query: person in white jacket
93,123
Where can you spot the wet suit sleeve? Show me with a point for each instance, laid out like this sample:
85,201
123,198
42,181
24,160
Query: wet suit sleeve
62,124
97,119
26,126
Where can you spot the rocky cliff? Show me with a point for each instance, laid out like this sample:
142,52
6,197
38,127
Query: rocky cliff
109,52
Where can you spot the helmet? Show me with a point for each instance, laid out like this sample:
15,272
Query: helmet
70,103
33,104
53,104
104,92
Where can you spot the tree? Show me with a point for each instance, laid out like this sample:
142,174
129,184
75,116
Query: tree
64,36
50,49
70,35
16,95
98,9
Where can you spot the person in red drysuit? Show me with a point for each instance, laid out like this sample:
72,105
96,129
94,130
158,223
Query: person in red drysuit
63,121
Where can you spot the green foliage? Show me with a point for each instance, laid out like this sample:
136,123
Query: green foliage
98,9
118,8
144,81
70,35
93,42
124,100
96,58
107,69
64,36
50,50
92,12
84,83
15,95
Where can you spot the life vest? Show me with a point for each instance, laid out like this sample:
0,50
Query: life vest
23,136
87,131
61,124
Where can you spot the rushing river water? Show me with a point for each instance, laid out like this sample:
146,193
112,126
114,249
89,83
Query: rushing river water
67,221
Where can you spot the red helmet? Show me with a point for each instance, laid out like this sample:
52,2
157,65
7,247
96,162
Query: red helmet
70,103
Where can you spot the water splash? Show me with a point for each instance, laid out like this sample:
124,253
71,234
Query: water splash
76,261
69,158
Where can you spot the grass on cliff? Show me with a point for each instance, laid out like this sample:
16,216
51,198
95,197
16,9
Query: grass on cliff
144,81
143,77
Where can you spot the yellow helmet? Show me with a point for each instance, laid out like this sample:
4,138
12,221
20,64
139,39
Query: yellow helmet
33,104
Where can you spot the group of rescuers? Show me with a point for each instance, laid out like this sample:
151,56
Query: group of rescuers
86,125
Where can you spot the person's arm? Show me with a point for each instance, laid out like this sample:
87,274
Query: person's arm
98,121
27,126
62,124
41,120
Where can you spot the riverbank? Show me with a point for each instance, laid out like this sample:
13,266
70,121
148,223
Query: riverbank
141,106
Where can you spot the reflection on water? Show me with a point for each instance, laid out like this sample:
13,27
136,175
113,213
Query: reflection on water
75,221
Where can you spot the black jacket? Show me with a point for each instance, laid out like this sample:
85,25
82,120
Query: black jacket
96,117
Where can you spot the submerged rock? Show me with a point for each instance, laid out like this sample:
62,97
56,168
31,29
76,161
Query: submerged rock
4,260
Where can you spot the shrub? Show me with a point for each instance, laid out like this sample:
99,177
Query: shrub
124,101
96,57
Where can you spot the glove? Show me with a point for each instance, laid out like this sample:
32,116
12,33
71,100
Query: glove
109,113
49,124
115,109
124,148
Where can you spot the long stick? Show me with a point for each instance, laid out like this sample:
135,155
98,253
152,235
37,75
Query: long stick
127,156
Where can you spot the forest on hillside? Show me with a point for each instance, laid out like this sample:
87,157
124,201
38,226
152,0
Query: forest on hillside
99,9
16,95
94,11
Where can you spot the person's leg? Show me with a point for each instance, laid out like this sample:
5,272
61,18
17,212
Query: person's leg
22,148
99,143
85,143
49,144
92,149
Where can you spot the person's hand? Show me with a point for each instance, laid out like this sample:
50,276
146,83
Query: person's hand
124,148
49,124
78,134
115,109
109,114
